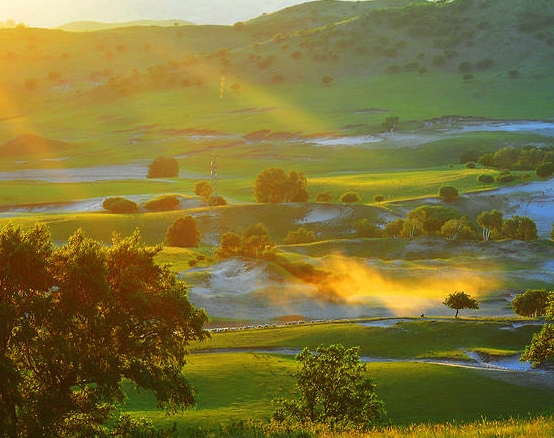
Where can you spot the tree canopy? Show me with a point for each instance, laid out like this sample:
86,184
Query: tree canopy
163,167
334,387
460,300
531,303
183,232
77,319
254,243
274,185
541,349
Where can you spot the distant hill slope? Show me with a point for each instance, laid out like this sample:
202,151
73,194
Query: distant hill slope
91,26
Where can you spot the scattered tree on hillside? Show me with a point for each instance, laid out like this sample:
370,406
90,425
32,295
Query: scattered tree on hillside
394,228
118,204
491,222
349,198
163,167
379,198
545,170
254,243
520,228
78,319
324,197
390,123
334,388
300,235
531,303
461,228
364,228
203,189
448,193
162,203
541,349
327,80
460,300
273,185
183,233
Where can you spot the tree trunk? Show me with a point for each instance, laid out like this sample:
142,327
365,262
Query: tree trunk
457,310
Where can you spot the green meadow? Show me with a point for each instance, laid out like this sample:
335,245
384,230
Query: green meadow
253,96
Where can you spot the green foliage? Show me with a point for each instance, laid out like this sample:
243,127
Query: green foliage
541,349
203,189
485,179
531,303
545,170
163,167
273,185
390,123
364,228
334,388
183,232
118,204
162,203
461,228
254,242
448,193
299,236
324,197
520,228
349,198
491,222
429,219
460,300
69,320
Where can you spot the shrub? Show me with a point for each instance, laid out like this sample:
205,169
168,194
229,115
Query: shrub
485,179
301,235
163,167
545,170
349,198
162,203
120,205
505,177
448,193
323,197
471,165
364,228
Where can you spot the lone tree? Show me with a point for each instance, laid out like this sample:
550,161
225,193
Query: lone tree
334,387
78,319
460,300
163,167
183,233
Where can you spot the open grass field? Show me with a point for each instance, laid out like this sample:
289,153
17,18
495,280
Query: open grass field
414,392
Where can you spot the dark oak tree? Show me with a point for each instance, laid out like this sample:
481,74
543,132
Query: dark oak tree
76,320
183,232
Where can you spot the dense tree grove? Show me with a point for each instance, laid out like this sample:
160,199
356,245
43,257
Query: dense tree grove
274,185
334,389
77,319
510,158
